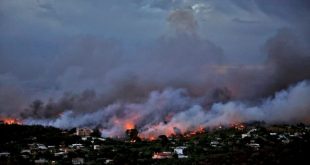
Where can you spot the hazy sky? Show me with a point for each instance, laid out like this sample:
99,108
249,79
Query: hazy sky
48,47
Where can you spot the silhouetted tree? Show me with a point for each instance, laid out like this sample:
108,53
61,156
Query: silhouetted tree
132,134
163,139
96,133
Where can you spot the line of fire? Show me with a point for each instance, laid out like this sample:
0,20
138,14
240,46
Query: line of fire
247,142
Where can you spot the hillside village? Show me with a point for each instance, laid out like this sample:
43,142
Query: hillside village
254,143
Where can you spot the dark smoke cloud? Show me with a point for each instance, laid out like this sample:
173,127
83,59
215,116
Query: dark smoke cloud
288,59
12,96
101,65
286,64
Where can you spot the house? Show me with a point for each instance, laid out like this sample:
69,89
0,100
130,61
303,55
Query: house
83,131
180,151
253,145
214,143
65,149
248,134
76,146
96,147
25,151
283,139
51,147
32,146
272,134
4,154
58,154
104,161
108,161
244,135
77,161
41,147
41,161
162,155
85,138
101,139
25,156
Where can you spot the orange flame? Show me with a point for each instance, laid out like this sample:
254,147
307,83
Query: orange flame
129,125
151,138
10,121
238,126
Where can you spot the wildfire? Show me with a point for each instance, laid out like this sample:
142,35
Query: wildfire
238,126
129,125
182,131
151,138
199,130
10,121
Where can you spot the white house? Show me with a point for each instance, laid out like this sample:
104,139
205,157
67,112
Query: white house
180,151
77,161
41,161
4,154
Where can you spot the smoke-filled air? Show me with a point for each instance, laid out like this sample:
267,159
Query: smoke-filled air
164,67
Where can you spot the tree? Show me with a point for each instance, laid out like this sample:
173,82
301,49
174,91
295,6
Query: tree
132,134
163,139
96,133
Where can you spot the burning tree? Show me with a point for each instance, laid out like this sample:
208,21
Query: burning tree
132,135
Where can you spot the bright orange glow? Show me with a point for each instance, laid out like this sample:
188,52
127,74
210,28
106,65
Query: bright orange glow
151,138
129,125
130,122
11,121
238,126
126,124
170,129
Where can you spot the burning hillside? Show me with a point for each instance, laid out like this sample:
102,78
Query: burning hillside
172,112
184,66
10,121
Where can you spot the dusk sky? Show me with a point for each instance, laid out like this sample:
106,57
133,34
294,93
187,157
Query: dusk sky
104,51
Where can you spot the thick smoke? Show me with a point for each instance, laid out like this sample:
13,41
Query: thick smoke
288,58
183,21
165,111
101,66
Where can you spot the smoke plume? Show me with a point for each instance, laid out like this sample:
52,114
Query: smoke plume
165,111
